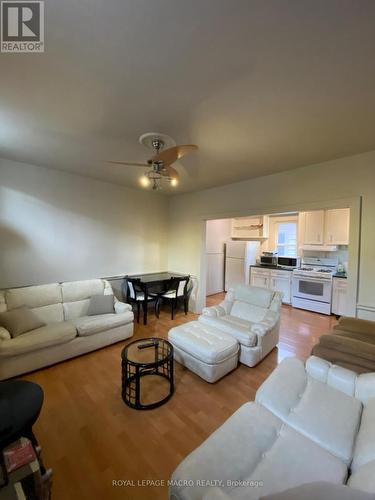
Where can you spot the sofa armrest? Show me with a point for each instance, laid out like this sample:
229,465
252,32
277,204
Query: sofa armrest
122,307
356,325
267,324
4,334
220,310
214,311
276,302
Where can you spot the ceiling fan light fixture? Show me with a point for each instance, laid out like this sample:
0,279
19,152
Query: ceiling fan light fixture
144,181
174,182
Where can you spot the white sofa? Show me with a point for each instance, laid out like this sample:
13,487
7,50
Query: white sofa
252,316
308,423
68,332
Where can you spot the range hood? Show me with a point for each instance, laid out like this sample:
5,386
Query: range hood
319,248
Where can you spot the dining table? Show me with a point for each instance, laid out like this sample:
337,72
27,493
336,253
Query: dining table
154,283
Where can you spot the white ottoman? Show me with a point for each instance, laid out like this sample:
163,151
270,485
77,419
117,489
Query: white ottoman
203,349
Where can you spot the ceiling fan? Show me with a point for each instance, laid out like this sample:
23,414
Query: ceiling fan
160,164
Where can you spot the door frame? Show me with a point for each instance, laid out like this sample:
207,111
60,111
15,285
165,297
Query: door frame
355,205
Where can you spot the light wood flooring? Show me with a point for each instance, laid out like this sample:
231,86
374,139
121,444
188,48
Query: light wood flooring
90,437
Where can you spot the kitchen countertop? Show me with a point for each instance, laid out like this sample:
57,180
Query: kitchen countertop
278,268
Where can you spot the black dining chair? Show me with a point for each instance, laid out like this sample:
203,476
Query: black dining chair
177,290
135,292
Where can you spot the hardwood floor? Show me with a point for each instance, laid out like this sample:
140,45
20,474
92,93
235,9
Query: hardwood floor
91,438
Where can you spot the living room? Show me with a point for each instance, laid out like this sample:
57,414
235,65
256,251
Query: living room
229,110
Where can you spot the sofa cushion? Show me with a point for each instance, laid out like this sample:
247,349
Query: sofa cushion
50,314
327,416
248,312
19,321
81,290
33,296
254,445
203,342
319,490
49,335
280,392
89,325
78,309
237,328
231,452
294,460
101,304
261,297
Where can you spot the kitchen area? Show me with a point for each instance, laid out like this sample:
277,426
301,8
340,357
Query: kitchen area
303,255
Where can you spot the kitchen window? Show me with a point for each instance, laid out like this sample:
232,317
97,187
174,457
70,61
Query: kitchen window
286,239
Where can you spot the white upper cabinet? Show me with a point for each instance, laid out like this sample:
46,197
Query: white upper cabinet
313,231
337,227
247,228
324,227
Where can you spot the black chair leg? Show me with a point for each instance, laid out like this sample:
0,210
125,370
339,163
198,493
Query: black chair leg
186,306
172,310
144,305
157,307
138,311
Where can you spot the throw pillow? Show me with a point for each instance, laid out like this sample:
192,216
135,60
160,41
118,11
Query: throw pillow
101,304
19,321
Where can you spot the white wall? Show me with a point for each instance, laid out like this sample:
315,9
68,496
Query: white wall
56,226
322,185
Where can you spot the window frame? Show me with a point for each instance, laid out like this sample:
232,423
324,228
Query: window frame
285,245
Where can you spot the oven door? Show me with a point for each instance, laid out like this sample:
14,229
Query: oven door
312,288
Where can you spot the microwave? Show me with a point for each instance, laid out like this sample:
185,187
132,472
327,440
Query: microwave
268,260
289,262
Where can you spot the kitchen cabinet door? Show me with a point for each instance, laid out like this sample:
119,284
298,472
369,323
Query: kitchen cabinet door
260,278
337,227
314,228
281,282
339,294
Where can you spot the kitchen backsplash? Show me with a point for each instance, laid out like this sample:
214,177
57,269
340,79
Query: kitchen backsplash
341,254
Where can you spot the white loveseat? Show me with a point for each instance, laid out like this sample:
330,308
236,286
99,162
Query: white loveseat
68,332
308,423
252,316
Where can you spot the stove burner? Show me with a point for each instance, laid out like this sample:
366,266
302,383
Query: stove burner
324,271
306,269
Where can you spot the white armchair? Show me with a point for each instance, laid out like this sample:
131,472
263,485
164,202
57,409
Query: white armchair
252,316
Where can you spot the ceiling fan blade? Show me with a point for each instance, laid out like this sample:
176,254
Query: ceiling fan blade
172,172
131,163
170,155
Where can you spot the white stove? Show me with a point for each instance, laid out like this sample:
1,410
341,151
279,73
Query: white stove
312,284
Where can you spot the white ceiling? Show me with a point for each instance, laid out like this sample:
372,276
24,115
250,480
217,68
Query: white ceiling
261,86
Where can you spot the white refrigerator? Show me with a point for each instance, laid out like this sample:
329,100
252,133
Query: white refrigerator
239,256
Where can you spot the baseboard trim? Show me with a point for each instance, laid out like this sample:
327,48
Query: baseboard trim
365,311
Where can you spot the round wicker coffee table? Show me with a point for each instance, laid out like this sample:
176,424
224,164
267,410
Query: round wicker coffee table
149,357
